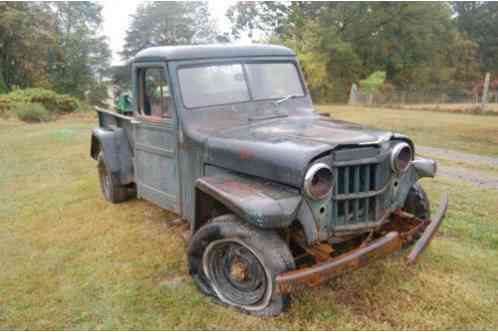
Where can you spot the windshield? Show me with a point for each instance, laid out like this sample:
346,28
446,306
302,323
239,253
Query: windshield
226,84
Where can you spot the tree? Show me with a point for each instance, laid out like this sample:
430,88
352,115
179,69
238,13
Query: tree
26,36
82,57
341,43
168,23
478,20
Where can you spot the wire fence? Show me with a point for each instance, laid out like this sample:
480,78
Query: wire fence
458,100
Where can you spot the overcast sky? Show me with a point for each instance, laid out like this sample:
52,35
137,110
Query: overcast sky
116,19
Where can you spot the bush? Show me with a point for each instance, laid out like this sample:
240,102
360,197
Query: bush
373,83
32,112
53,102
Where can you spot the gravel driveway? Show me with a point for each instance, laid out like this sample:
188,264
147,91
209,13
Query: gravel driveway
478,178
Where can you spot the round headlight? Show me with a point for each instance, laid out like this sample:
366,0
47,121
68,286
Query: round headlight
401,156
318,182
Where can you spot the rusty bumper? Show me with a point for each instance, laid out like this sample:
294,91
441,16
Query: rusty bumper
389,243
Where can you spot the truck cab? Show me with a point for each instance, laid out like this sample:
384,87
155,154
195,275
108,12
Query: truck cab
275,194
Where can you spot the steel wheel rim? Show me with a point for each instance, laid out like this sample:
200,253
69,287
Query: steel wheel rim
106,181
252,292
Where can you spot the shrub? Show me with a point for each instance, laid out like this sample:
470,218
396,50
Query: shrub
373,82
32,112
52,101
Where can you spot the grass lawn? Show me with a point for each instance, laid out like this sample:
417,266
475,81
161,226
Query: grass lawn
69,260
477,134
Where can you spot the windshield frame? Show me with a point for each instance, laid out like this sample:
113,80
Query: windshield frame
243,63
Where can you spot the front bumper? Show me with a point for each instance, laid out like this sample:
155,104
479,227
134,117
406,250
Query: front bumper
392,241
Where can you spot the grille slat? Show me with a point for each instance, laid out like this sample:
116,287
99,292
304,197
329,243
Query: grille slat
359,179
356,188
367,200
367,177
346,180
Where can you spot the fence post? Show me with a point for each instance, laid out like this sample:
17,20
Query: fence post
484,99
353,96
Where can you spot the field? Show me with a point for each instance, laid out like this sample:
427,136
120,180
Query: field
477,134
491,108
69,260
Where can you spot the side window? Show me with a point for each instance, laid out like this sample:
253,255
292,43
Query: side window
153,92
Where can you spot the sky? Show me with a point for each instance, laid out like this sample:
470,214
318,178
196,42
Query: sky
116,18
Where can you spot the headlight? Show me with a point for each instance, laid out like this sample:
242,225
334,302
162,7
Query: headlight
401,156
318,182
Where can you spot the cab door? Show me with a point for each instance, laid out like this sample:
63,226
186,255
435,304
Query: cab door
155,137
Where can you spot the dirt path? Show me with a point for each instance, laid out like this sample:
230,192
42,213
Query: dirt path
480,179
456,155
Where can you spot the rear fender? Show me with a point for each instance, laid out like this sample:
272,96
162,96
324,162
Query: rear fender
117,153
258,202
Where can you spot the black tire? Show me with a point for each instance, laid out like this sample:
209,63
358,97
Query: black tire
112,191
417,202
226,245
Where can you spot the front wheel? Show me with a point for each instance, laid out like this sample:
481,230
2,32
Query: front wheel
237,264
417,202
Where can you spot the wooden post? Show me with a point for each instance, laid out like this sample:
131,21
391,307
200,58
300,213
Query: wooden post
484,99
353,96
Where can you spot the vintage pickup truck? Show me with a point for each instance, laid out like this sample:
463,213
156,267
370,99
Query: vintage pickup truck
276,195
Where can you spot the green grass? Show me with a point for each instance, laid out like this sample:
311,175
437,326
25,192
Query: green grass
476,134
69,260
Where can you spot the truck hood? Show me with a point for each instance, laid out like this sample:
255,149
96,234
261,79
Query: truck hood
281,149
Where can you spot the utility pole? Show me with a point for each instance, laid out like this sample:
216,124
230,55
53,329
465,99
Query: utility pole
484,98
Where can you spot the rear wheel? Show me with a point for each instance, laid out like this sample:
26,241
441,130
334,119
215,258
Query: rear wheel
112,191
237,264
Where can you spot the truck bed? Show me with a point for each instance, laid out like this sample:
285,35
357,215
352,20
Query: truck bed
111,120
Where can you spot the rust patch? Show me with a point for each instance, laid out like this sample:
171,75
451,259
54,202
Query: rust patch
246,154
402,230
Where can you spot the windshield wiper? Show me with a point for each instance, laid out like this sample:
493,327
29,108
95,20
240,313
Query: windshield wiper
277,113
280,101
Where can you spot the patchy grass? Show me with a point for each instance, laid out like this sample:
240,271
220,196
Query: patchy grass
69,260
470,133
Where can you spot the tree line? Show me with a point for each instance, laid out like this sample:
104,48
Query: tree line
417,46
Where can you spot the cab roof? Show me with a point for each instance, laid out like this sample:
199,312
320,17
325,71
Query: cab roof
210,51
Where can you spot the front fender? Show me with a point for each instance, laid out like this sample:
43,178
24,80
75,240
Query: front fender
259,202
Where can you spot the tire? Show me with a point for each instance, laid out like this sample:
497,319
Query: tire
112,191
417,202
237,263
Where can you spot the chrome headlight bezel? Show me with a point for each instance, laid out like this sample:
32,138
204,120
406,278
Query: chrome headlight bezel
311,175
401,149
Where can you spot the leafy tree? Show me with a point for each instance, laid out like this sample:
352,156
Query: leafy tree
26,37
168,23
479,21
3,86
82,57
52,45
340,43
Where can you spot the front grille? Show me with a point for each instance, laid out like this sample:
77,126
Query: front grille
358,192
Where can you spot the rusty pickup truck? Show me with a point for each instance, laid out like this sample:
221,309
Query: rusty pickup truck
276,195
